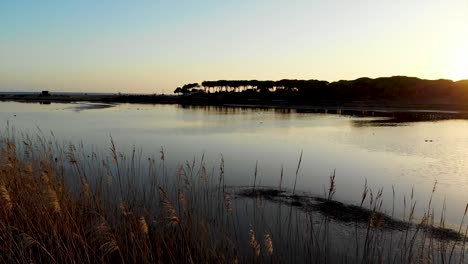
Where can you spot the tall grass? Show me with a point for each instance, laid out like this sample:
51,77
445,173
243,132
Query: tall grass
62,203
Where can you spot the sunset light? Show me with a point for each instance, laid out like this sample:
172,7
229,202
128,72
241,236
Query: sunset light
459,71
154,46
234,131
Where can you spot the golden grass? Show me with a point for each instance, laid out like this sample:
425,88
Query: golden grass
44,219
61,205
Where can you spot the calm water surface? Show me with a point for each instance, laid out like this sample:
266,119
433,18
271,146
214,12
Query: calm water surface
386,154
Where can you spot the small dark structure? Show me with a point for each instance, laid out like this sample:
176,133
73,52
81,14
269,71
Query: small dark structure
45,94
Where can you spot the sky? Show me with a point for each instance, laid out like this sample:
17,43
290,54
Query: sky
152,46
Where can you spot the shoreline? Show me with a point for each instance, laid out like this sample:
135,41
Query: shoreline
364,109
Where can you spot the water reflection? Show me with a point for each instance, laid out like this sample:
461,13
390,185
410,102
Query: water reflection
387,151
404,119
385,122
236,110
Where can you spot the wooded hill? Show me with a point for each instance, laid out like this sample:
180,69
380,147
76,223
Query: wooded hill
388,90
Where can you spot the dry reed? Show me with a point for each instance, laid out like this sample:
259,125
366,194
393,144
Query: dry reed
89,219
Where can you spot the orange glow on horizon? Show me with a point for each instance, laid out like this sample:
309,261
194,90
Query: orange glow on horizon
460,69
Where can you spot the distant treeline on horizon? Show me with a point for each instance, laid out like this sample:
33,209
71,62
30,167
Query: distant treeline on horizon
394,88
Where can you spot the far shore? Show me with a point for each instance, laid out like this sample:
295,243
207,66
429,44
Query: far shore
360,108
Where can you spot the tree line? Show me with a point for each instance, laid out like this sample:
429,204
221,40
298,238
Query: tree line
384,88
244,85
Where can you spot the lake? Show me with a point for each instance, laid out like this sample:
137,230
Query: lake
402,155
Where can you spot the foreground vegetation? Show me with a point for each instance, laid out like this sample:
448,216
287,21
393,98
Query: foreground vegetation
67,204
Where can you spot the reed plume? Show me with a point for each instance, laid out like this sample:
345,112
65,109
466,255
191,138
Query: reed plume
253,241
171,213
102,234
123,208
54,201
268,243
5,199
143,225
86,189
227,202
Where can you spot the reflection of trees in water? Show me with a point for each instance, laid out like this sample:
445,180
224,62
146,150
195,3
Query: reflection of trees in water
380,118
378,123
278,113
401,119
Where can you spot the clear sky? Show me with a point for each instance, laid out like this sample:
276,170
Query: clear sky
154,46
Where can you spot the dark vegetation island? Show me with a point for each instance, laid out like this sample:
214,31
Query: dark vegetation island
386,92
397,91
